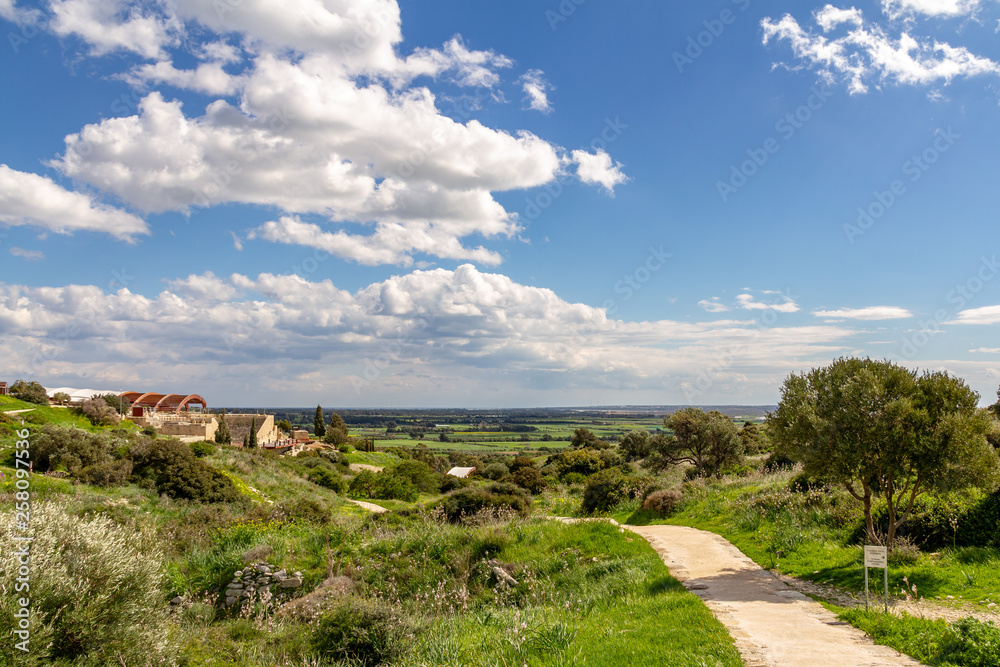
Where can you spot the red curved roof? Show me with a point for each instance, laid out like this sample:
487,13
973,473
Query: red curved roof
163,402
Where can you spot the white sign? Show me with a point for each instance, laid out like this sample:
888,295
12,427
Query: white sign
876,556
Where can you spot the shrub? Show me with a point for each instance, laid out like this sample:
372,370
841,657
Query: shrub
604,491
69,448
663,502
328,480
30,392
495,471
451,483
583,461
173,469
302,509
528,478
971,643
202,449
96,590
362,632
521,462
110,473
496,497
99,412
368,484
418,474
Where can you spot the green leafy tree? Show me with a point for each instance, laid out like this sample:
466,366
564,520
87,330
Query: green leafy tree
336,433
319,425
754,438
584,438
707,440
29,391
252,442
879,430
61,398
222,435
635,445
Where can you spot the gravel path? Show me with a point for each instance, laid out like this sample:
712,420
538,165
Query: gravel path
772,624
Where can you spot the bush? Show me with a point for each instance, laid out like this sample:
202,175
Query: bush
30,392
202,449
451,483
96,590
172,468
110,473
418,474
582,461
99,412
495,471
71,449
663,502
521,462
328,480
497,497
528,478
362,632
382,485
971,643
604,491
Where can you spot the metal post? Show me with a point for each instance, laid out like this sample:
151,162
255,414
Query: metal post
866,587
886,570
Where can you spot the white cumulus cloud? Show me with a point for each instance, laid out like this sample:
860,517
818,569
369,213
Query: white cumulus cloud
868,55
29,199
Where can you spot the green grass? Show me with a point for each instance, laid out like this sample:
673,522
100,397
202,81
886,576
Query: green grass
807,536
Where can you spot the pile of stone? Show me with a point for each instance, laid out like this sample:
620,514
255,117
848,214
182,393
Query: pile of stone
250,582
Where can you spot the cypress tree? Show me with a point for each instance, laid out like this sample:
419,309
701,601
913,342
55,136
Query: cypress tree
319,423
222,434
253,433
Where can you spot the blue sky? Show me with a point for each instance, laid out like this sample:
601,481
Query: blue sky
442,203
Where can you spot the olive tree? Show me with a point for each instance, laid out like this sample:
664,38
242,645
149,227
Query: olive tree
707,440
881,431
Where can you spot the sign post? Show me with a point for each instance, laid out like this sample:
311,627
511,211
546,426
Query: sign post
877,557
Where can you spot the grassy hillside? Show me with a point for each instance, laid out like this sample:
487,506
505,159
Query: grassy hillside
118,537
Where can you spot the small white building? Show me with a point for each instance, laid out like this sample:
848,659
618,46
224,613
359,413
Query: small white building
461,473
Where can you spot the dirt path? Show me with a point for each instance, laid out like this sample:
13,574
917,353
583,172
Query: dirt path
371,507
772,624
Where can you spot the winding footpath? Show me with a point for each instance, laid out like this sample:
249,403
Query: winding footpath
772,624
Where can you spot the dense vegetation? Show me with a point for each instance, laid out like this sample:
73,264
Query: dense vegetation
470,571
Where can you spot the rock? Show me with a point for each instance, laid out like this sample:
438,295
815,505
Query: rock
280,574
230,601
502,575
291,583
177,600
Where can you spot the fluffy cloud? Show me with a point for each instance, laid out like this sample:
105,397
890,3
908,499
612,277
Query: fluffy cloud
985,315
536,89
318,116
29,199
110,25
424,330
867,55
947,8
599,169
870,313
713,305
785,304
11,12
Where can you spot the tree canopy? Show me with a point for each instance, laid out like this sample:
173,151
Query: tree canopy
707,440
880,430
319,425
